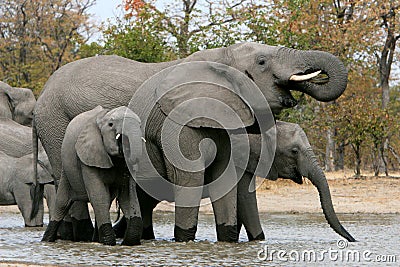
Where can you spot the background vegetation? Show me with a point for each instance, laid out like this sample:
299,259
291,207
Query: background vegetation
360,130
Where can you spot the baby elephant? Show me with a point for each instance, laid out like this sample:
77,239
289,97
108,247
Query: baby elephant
293,159
94,169
16,178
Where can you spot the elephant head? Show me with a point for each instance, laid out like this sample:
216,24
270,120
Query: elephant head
294,159
17,104
105,136
278,70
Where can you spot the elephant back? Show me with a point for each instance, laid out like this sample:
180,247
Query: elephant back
15,139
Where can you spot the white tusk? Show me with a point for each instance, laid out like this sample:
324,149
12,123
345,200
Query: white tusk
144,140
118,135
299,78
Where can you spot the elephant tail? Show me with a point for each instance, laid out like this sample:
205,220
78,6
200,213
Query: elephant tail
36,190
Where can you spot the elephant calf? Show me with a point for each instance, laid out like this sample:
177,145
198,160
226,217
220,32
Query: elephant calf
294,159
16,178
94,169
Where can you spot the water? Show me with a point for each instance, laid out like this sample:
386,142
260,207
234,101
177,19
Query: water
292,239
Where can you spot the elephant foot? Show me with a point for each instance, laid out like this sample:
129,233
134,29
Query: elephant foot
227,233
184,235
120,228
65,231
107,235
148,233
50,235
133,232
82,229
260,236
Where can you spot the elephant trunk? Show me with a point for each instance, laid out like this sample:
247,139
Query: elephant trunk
133,141
320,75
316,175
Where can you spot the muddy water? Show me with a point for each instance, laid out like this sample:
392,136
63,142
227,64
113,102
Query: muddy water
292,239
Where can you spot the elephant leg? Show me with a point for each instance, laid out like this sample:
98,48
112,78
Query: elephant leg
223,195
82,225
23,199
120,227
130,207
50,195
187,202
62,206
100,199
247,208
147,205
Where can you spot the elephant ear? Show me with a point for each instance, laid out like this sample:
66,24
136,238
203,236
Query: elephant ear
205,94
90,148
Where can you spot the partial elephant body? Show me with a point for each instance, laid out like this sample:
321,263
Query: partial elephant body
112,81
293,160
94,170
16,104
16,139
16,177
16,142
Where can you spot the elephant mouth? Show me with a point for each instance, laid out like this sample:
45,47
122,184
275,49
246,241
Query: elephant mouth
298,177
297,82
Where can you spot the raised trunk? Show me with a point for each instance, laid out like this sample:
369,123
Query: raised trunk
318,179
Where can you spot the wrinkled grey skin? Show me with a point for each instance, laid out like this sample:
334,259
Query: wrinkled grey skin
16,177
94,169
294,159
111,81
17,104
16,141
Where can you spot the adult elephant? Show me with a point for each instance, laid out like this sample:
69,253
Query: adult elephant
111,81
17,104
293,159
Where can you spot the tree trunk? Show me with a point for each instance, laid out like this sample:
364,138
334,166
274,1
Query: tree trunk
357,151
339,162
396,156
329,151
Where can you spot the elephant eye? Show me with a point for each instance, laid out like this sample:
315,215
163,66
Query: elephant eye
295,151
111,124
261,61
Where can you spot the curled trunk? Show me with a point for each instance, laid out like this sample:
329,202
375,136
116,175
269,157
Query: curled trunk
326,75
